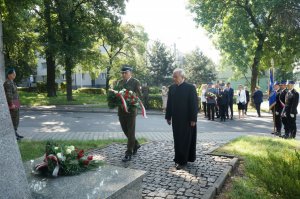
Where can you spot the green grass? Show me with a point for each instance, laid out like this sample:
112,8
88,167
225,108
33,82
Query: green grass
41,99
35,149
272,167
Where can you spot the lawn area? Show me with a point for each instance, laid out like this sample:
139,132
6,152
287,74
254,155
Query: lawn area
41,99
272,168
35,149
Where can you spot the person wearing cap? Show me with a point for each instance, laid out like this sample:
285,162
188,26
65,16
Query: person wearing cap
290,110
127,120
282,94
210,95
222,102
277,109
182,111
257,99
12,97
230,101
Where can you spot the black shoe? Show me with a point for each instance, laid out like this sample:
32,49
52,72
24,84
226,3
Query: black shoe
231,118
136,149
179,166
19,136
126,158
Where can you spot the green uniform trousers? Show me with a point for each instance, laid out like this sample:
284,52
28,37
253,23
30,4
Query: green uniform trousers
128,127
15,117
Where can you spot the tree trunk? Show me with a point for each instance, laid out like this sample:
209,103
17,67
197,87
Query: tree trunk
108,75
68,67
256,61
50,58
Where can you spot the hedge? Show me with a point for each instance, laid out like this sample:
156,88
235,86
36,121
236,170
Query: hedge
99,91
155,101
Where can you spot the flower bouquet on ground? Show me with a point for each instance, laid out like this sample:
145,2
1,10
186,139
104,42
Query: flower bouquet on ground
125,99
63,160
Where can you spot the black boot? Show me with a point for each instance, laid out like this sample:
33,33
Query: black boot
18,136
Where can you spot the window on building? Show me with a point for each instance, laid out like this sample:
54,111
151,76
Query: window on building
44,65
103,76
83,76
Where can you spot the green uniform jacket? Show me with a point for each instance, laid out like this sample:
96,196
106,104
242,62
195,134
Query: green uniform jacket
11,91
132,85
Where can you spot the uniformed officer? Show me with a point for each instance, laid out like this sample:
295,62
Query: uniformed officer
12,97
278,109
127,120
223,98
282,94
290,110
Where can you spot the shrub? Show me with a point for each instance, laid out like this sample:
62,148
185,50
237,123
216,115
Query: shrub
63,87
41,87
24,89
155,101
154,90
99,91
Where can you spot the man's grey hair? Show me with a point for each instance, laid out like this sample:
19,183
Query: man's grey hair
180,71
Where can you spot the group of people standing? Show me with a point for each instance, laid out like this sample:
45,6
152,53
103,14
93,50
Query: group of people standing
217,100
285,109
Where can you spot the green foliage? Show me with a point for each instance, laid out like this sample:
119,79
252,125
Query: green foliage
99,91
41,87
154,90
41,99
161,64
272,167
155,101
250,33
199,68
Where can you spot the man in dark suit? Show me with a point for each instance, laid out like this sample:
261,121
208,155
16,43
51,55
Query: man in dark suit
182,110
222,102
290,110
257,99
230,101
247,99
127,120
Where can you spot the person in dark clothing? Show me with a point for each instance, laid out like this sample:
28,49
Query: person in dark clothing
217,90
182,110
257,99
210,95
230,101
283,92
222,102
290,110
278,109
247,99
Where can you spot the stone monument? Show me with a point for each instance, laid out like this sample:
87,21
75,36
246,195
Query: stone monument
13,182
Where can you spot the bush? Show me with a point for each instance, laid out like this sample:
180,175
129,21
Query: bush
63,87
24,89
41,87
154,90
155,101
99,91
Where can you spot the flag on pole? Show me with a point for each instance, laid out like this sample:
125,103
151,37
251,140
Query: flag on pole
272,92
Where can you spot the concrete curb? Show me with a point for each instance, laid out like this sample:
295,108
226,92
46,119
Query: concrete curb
217,186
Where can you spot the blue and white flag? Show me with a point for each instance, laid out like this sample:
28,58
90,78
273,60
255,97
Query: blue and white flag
272,92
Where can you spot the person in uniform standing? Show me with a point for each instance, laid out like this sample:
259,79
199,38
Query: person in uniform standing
290,110
278,109
282,94
12,97
127,120
222,102
230,101
182,110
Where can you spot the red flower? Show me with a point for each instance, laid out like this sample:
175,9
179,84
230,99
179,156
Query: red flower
80,154
90,157
86,162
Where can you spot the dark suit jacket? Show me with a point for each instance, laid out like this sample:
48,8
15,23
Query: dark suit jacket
291,102
247,96
230,95
257,97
